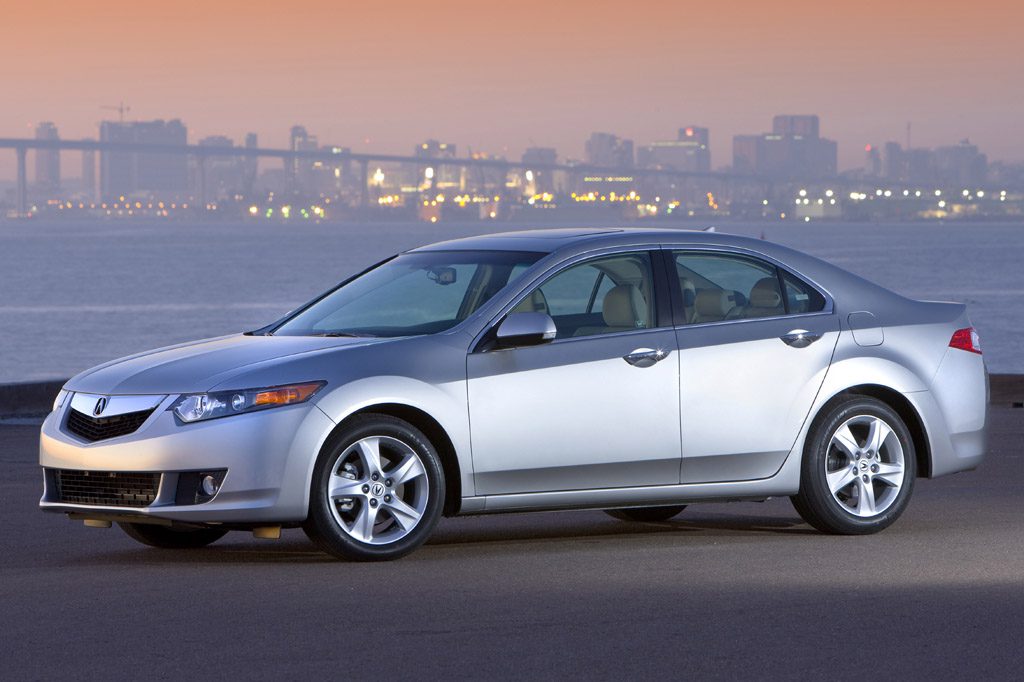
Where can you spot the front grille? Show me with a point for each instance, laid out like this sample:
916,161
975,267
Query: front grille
100,428
109,488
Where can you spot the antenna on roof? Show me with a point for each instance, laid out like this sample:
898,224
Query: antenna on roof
709,228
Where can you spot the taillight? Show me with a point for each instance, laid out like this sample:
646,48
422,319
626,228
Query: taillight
966,339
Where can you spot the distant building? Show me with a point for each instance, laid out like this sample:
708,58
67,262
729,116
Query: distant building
954,166
126,173
605,149
961,165
872,161
433,149
689,153
47,160
442,177
89,173
792,151
301,171
789,125
337,176
222,174
543,180
250,165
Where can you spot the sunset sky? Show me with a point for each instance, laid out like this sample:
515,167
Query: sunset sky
501,76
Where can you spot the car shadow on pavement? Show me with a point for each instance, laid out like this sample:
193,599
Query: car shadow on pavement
709,525
514,530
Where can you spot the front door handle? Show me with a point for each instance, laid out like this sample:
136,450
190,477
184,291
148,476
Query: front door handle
645,357
799,338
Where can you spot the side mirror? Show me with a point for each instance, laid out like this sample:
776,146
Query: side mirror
526,329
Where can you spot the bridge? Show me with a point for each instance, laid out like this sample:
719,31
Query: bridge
201,153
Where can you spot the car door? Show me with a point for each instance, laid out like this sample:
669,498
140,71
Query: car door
597,407
754,347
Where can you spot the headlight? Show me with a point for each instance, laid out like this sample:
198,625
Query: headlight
200,406
58,402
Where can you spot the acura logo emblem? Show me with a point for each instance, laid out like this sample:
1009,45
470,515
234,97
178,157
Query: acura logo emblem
377,489
101,405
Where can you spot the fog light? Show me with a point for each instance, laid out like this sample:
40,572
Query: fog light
197,487
210,486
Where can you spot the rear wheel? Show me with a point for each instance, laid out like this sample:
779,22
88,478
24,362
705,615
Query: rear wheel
645,514
377,491
858,470
172,537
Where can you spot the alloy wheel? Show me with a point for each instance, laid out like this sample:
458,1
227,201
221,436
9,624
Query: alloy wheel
864,469
378,490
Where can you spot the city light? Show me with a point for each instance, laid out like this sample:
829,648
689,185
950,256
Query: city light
604,180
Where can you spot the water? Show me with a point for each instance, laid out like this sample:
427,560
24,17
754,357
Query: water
73,295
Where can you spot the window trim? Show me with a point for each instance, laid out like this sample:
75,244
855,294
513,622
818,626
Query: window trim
663,315
677,293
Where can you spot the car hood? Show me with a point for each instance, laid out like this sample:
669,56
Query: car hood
200,365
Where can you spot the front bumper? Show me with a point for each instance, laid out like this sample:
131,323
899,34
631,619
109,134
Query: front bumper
268,457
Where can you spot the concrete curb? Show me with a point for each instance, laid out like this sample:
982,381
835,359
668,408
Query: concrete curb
34,399
28,399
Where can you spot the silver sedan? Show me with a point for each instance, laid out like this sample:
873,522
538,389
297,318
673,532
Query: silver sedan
635,371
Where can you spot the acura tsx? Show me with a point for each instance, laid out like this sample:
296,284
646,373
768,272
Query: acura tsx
634,371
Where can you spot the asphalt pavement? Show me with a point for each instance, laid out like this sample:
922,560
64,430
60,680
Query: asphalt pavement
723,591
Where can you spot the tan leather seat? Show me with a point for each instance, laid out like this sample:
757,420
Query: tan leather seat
713,305
536,302
765,299
624,308
689,299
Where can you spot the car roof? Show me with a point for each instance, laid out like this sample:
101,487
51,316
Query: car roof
557,239
561,243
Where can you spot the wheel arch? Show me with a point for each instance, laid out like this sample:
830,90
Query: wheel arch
902,406
434,432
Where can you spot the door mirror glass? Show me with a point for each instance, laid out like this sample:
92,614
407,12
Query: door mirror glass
526,329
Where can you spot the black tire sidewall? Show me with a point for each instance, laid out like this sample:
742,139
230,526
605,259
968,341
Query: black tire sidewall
815,501
321,525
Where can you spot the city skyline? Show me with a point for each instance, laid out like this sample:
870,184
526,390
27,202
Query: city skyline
502,78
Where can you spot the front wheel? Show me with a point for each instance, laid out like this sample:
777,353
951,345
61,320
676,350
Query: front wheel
377,491
172,537
858,469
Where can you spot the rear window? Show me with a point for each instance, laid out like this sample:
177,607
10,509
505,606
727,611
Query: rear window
801,297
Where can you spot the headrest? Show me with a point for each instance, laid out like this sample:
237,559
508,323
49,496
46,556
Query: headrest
689,292
714,303
766,294
534,303
624,306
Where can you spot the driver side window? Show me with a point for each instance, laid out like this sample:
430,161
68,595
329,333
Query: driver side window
601,296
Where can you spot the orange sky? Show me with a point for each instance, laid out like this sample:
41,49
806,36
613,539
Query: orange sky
500,76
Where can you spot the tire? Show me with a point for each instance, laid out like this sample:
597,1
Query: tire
849,483
645,514
388,487
172,537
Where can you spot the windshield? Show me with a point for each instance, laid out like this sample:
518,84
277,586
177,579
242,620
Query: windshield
414,293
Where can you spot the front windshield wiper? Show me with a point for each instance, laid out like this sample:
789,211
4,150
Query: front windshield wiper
343,334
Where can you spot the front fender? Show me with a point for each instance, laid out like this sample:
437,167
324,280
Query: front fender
446,403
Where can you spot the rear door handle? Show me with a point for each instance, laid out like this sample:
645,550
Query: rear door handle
645,357
799,338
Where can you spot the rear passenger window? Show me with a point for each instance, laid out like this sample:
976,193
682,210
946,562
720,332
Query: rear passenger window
718,287
801,297
721,286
